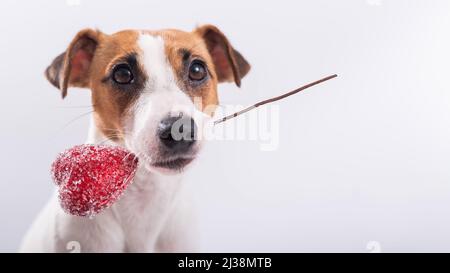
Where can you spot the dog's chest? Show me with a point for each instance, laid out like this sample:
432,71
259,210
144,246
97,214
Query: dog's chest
144,209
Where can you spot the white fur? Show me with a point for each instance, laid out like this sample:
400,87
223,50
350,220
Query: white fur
154,212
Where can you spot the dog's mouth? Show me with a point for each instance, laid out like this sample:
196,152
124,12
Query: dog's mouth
174,164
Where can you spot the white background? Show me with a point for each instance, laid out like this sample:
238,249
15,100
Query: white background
364,157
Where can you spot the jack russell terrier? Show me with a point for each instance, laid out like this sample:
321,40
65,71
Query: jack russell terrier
142,83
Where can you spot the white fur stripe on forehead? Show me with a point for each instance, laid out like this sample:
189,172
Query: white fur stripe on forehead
161,85
154,60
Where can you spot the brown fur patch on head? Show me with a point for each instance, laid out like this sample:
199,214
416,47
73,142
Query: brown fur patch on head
110,101
181,48
87,63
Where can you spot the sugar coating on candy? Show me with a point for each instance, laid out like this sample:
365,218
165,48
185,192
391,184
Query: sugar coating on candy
92,177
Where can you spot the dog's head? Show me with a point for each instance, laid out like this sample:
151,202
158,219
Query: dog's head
151,89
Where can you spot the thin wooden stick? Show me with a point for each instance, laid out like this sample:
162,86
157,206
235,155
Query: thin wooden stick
274,99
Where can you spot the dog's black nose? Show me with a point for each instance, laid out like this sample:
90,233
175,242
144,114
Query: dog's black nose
177,133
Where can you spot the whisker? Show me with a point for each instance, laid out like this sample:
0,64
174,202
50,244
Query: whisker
76,118
74,107
115,133
108,138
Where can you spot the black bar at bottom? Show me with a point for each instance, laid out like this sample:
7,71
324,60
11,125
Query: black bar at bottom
226,262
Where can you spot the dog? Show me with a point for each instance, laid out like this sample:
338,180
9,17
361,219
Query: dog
142,84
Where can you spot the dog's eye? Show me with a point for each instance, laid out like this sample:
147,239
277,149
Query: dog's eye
197,71
122,74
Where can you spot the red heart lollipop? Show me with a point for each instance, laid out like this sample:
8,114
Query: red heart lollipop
91,178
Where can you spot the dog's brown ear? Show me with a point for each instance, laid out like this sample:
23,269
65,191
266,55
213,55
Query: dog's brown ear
71,68
229,64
